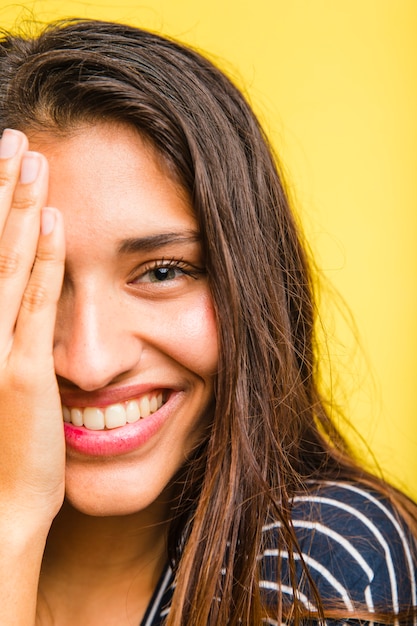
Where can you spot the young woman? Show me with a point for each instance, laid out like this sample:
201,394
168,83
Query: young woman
158,361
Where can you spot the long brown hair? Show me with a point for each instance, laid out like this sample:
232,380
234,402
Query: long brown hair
271,430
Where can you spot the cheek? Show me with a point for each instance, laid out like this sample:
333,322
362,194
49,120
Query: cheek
195,336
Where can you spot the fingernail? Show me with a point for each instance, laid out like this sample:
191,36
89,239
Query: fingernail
31,164
9,143
48,219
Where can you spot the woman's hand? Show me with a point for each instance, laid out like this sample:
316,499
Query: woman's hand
32,446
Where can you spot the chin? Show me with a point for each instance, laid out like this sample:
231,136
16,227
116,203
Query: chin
113,495
104,507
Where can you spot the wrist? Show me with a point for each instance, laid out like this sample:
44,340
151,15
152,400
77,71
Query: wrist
24,527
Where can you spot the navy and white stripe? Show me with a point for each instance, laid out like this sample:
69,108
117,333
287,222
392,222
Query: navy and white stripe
158,607
357,550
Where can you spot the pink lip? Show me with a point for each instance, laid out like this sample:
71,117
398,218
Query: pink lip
104,398
123,440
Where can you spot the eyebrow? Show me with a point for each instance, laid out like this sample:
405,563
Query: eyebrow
152,242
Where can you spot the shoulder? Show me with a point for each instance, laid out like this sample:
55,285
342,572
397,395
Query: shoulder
355,546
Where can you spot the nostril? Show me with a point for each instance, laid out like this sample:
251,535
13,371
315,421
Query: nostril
82,368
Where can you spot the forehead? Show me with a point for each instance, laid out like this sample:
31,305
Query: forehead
108,180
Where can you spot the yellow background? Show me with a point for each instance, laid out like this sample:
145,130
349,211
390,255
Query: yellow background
335,83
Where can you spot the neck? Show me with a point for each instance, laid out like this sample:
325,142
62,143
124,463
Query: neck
107,541
89,558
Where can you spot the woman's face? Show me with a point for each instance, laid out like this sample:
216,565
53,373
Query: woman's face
136,343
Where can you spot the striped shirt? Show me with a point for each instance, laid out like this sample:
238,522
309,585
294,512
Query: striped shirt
356,549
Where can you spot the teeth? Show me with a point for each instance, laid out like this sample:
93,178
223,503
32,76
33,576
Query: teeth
66,413
144,406
93,418
133,412
77,417
153,404
115,415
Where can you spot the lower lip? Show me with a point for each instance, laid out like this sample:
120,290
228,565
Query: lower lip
122,440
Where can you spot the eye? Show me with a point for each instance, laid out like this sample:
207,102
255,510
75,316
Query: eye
162,274
167,271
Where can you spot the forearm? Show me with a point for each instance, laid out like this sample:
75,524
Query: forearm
21,551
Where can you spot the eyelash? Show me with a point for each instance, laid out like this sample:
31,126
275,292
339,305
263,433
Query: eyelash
172,264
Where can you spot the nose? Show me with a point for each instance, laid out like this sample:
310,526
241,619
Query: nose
93,346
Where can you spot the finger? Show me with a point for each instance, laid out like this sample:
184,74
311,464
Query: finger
12,146
19,240
34,333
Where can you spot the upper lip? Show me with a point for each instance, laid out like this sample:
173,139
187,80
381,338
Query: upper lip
105,397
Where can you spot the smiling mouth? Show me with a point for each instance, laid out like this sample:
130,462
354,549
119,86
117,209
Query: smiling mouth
114,415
